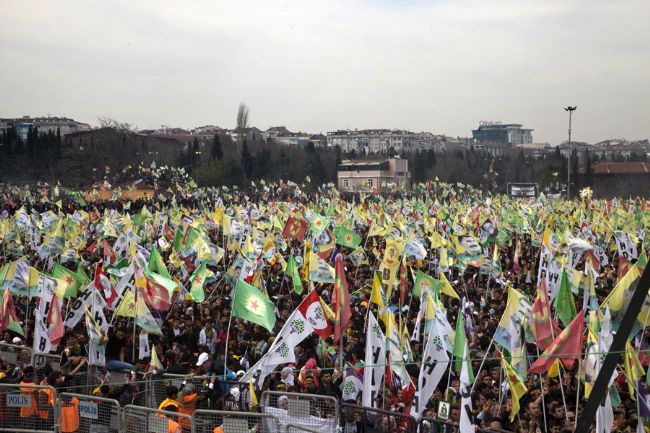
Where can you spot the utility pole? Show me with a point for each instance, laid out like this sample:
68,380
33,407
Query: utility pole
570,109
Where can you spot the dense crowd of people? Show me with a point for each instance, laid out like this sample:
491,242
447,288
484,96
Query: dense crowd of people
484,247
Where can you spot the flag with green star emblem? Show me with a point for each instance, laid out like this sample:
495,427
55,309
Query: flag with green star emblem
347,238
249,303
318,224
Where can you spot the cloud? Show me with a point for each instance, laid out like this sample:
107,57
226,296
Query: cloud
315,66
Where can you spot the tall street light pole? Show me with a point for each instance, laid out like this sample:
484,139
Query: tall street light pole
570,109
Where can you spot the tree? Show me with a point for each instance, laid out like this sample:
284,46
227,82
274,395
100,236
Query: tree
216,151
247,161
108,122
242,117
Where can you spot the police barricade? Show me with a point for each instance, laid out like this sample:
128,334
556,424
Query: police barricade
40,361
377,420
88,414
221,394
138,419
157,386
27,408
294,428
314,411
18,356
210,421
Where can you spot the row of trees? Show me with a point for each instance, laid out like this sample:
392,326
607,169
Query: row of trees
225,161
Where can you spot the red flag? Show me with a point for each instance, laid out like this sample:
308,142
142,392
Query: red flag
294,228
109,255
545,328
311,308
8,311
624,265
103,284
156,296
591,258
56,321
566,347
340,301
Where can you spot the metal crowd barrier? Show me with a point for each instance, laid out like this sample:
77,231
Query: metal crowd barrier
317,412
377,419
16,355
205,421
27,408
89,414
295,428
138,419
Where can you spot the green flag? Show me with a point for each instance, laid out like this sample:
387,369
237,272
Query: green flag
563,302
67,281
198,280
423,281
169,284
157,265
251,304
83,276
347,238
460,341
318,224
292,271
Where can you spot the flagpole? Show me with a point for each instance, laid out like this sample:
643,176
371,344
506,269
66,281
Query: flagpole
578,390
487,352
225,359
541,387
135,313
560,377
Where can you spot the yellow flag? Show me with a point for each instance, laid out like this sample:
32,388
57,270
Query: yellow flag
127,305
633,368
155,361
446,288
616,299
227,227
251,388
377,296
517,387
390,264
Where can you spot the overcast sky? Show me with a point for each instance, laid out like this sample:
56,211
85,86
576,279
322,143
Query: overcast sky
440,66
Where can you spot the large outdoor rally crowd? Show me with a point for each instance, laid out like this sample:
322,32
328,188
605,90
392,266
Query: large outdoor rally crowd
462,310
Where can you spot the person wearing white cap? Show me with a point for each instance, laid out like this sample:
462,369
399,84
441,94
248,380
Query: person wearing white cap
16,340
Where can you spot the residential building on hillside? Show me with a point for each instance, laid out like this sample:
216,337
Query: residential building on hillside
373,175
372,140
44,124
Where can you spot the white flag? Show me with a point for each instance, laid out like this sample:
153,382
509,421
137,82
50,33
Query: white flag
294,331
42,343
145,349
466,424
374,368
434,364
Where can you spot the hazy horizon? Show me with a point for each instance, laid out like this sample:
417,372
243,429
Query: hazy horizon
436,66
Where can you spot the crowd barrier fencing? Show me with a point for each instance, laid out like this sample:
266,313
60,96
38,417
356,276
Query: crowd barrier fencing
139,419
377,420
16,355
88,414
208,421
27,408
295,428
316,412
